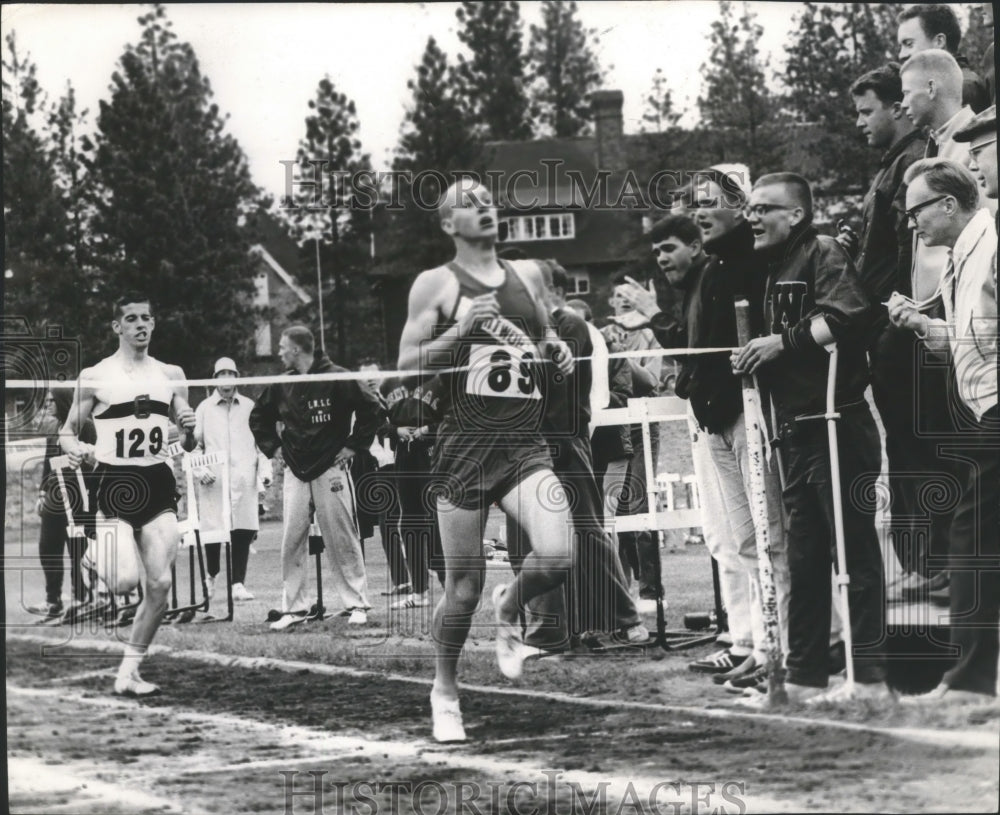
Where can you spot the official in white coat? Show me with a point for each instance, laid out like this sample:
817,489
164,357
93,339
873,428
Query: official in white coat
223,426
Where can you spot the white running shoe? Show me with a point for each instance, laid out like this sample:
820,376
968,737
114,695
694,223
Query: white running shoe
135,687
446,718
510,654
287,620
240,593
358,617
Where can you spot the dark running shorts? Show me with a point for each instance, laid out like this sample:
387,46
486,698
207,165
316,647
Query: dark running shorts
135,495
474,471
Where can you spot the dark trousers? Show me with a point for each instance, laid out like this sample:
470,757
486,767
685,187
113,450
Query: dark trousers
911,394
639,551
598,597
388,524
240,540
417,525
974,561
52,542
808,500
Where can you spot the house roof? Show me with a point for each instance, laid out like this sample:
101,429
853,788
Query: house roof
278,269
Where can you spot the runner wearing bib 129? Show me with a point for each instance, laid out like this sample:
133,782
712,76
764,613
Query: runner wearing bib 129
135,482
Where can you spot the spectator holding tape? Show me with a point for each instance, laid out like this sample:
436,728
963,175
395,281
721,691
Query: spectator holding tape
316,446
52,536
223,426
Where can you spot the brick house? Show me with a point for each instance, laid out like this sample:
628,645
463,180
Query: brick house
587,200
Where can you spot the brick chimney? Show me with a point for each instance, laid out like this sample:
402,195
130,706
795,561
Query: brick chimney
608,129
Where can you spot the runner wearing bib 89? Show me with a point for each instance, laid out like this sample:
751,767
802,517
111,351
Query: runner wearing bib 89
488,318
131,397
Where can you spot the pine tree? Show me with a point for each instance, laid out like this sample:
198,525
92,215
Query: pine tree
492,80
36,238
831,47
332,212
171,191
565,68
736,98
660,111
436,138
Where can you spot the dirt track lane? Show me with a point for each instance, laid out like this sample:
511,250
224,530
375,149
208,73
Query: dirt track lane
187,749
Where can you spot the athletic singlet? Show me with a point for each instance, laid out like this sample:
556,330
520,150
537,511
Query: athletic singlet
502,390
132,422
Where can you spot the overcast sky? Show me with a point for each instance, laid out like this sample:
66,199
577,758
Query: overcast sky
264,61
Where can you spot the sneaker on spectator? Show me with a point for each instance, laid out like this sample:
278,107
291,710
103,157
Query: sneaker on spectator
945,695
717,663
637,634
396,591
358,617
745,667
241,594
446,719
47,611
287,620
412,601
755,681
838,658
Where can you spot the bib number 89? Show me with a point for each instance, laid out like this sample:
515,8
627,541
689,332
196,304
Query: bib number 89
137,438
506,372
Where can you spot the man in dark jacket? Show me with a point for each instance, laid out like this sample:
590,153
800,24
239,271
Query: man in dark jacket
710,284
317,445
884,261
813,299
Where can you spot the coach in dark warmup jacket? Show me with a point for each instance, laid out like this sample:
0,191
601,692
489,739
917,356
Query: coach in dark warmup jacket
317,445
812,299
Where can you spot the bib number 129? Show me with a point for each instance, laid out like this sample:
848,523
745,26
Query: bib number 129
135,442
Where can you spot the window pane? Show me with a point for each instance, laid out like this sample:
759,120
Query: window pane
529,228
554,230
540,230
582,284
568,229
503,231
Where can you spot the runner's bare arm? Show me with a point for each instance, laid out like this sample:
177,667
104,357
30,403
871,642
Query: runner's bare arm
180,410
79,412
432,297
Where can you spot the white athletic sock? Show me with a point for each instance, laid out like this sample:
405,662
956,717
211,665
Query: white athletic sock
131,660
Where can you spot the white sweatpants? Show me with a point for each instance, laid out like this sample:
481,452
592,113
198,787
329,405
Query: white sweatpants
332,493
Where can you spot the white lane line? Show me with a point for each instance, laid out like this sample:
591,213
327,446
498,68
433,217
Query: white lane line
974,739
33,778
673,794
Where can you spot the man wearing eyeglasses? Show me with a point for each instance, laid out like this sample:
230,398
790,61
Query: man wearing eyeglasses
813,298
942,202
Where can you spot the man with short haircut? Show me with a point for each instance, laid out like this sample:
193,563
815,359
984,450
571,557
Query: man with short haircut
942,201
935,25
487,320
812,299
131,395
710,286
884,262
316,445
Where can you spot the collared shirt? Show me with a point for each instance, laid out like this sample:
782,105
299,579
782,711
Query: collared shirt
223,425
969,291
929,261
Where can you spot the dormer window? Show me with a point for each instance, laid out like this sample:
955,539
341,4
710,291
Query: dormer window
537,228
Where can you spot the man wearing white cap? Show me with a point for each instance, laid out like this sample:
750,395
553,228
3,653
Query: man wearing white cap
223,426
